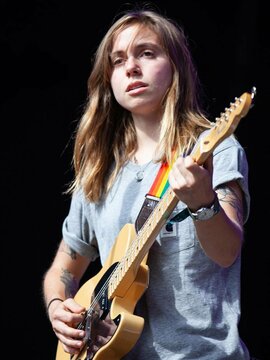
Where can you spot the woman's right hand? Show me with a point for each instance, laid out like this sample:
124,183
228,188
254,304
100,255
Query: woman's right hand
65,317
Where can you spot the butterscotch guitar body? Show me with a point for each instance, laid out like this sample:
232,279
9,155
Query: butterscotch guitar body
115,313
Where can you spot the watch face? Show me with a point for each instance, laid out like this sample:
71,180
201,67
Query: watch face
206,213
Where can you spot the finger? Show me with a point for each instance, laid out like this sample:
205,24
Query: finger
71,305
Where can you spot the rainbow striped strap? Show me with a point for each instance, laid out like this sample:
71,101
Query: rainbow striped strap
161,182
157,190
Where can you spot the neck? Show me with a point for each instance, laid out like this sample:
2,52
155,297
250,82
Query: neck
145,153
148,132
147,126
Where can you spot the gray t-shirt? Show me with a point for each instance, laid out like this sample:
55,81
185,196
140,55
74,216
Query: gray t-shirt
192,305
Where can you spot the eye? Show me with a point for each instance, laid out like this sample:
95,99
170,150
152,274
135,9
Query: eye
117,61
147,53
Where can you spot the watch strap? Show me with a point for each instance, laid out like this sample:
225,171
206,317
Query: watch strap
206,213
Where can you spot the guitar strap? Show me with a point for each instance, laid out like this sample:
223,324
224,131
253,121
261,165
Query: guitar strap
157,190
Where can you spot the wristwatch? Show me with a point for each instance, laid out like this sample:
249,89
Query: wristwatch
206,213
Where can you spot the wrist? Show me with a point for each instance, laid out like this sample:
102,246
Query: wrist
53,300
206,212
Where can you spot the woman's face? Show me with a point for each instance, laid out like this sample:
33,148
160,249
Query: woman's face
141,71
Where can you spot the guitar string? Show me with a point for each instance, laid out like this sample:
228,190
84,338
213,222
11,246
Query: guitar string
135,242
131,249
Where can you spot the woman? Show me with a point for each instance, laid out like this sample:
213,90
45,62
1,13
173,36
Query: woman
143,110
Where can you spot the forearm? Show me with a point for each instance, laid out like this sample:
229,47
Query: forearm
63,277
221,238
62,310
58,283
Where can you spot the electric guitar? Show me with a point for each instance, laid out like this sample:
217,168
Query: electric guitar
111,328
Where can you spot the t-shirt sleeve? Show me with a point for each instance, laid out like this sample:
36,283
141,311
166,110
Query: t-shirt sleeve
230,163
77,232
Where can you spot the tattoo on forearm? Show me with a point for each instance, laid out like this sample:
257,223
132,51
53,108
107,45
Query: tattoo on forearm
72,254
229,196
71,284
66,249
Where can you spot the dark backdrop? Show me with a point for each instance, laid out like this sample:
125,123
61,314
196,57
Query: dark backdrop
46,50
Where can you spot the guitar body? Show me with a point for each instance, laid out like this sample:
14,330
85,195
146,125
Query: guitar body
114,316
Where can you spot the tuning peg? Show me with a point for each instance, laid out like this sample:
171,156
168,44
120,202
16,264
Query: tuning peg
253,93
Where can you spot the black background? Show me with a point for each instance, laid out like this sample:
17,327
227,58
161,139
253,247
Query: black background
46,51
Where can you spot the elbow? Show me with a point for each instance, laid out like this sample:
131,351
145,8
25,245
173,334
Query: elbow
229,256
226,262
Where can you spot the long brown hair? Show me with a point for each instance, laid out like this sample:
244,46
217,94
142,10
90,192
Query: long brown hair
106,137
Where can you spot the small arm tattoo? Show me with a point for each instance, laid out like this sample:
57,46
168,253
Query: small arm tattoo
72,254
228,195
71,284
65,248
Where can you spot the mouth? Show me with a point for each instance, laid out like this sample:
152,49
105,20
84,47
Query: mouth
135,85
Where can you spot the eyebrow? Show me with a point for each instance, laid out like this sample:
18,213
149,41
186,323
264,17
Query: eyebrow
143,45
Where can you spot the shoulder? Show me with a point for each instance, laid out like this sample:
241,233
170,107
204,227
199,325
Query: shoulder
230,144
230,154
79,202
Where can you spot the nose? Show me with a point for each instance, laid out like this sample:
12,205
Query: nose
132,67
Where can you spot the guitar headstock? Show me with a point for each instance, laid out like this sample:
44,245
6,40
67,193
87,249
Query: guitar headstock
224,126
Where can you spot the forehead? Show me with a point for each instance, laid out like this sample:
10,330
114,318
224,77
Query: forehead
133,35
